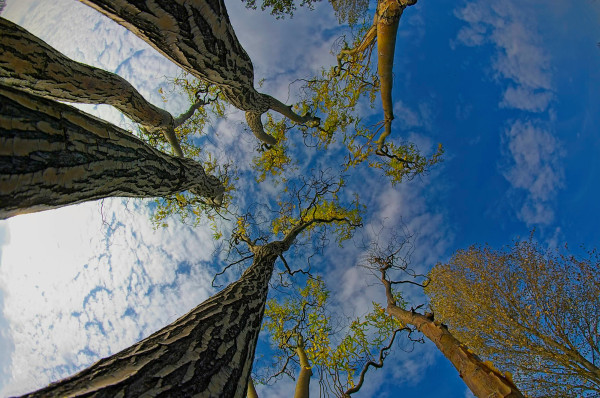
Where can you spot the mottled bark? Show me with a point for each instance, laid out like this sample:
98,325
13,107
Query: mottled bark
197,35
303,382
482,379
206,353
32,65
53,155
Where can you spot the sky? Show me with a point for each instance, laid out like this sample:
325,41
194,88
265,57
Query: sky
510,88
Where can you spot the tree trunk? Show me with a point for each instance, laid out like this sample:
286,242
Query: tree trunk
30,64
206,353
198,36
251,389
53,155
482,379
303,383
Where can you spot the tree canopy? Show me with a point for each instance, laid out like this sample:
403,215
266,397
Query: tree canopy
530,310
527,310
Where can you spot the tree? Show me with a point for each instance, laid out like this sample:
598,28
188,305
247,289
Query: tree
533,311
383,30
53,155
307,336
199,38
482,378
30,64
210,350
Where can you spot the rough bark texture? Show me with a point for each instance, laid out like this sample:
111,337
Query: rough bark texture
205,353
483,380
32,65
197,35
52,155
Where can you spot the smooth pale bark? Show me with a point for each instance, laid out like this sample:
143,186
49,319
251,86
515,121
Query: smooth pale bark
384,30
303,382
483,380
251,390
388,19
207,353
53,155
197,35
28,63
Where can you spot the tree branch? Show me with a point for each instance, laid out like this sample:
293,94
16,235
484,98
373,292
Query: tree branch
382,355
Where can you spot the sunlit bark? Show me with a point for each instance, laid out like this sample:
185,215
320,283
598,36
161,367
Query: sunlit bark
532,310
53,155
303,382
383,30
251,389
197,35
28,63
482,379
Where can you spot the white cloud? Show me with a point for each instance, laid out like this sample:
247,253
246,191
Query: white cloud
526,99
96,287
533,164
519,57
407,117
73,287
6,342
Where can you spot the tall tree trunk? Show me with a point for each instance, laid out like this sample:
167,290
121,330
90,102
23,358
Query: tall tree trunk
206,353
53,155
251,389
197,35
32,65
482,379
303,383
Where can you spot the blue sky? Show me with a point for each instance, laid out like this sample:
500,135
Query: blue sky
509,88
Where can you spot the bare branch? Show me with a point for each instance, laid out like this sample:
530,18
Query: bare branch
382,355
227,267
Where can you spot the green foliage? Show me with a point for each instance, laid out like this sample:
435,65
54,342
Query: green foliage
275,160
280,8
350,11
532,311
337,351
336,96
185,206
316,203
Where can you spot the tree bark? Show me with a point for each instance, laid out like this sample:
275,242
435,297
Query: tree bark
30,64
197,35
205,353
483,380
303,383
251,389
53,155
